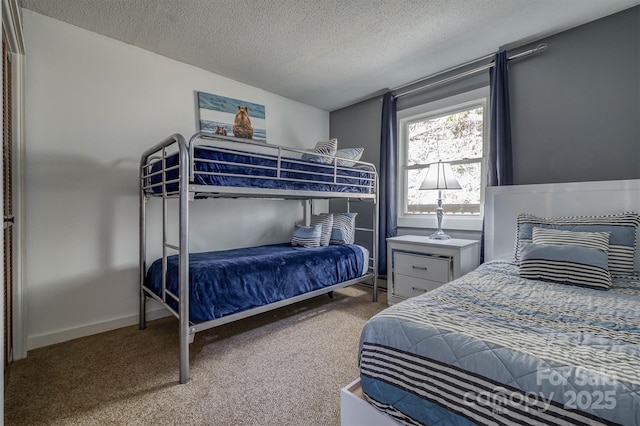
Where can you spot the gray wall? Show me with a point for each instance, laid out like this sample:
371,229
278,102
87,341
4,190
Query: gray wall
359,126
575,108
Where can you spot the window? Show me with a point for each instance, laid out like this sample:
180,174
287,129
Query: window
454,130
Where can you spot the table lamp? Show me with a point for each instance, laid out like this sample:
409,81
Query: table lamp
440,176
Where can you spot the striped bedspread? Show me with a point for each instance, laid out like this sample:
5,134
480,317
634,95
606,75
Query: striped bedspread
492,348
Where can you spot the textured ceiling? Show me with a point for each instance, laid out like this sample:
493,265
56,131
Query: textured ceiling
325,53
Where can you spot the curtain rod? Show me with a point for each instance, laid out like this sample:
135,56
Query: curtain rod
539,48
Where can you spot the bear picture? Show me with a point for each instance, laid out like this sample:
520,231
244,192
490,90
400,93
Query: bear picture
242,124
231,117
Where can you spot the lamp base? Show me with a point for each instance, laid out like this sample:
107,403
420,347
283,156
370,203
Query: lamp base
439,235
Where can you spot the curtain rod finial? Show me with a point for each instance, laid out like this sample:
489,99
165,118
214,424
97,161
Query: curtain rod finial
540,48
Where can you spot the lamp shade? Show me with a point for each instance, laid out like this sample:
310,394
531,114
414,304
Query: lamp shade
440,176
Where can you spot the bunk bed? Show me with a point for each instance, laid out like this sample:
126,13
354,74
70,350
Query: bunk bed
206,290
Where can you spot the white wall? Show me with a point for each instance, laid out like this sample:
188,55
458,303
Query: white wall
93,104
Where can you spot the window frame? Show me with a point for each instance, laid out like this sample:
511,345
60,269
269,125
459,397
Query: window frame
433,109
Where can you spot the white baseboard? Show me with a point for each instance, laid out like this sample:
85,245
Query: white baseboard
41,340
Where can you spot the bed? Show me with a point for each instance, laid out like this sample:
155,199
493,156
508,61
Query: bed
208,289
497,346
223,283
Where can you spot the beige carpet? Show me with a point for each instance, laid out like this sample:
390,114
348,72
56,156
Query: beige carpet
284,367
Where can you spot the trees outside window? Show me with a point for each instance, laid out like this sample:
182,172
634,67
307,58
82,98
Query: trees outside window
451,130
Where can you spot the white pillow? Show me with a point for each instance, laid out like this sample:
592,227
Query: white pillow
329,147
344,225
325,220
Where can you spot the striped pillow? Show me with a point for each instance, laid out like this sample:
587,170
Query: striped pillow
621,227
350,154
599,240
326,221
329,147
343,231
307,236
565,264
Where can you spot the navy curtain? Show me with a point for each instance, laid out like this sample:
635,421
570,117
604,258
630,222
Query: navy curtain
500,170
500,164
388,180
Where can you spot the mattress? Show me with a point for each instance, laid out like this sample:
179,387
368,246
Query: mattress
225,282
238,168
492,348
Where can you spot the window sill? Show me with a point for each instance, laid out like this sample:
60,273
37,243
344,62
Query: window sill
430,221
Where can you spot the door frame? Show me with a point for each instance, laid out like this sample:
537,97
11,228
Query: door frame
12,30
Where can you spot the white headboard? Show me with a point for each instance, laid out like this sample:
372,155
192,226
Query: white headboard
504,203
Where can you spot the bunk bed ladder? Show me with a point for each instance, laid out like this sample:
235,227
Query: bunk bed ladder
185,336
182,248
373,260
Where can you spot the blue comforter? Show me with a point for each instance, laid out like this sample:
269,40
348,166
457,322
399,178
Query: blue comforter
492,348
225,282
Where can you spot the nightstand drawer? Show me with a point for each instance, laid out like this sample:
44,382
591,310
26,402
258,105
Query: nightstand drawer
423,267
405,286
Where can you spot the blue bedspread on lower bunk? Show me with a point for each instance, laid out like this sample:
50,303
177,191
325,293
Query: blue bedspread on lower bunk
235,167
230,281
492,348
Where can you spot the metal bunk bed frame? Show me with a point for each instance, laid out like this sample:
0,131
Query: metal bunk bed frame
187,192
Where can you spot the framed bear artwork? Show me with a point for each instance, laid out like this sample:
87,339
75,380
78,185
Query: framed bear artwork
231,117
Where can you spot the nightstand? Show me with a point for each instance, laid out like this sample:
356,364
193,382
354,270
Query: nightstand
417,264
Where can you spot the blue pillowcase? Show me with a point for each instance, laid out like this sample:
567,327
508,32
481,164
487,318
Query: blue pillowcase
307,236
312,157
565,264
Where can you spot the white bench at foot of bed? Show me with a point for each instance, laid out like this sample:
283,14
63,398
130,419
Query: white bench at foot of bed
356,411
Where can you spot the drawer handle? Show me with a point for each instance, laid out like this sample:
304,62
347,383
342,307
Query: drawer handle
418,289
422,268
